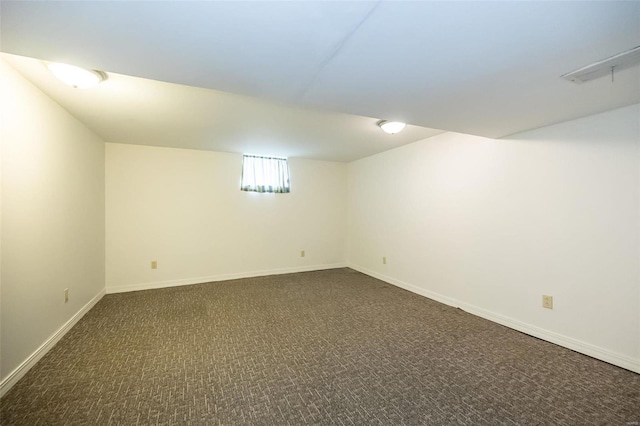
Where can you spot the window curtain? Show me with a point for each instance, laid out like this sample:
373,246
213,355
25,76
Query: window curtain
265,174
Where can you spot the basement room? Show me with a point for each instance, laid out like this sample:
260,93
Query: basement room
319,212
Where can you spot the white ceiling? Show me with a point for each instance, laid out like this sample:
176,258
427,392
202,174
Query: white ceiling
484,68
140,111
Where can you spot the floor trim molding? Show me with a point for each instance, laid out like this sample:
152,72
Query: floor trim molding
28,363
221,277
550,336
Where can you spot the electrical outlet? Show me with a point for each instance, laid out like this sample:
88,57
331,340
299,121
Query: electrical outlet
547,302
302,253
66,295
384,260
154,264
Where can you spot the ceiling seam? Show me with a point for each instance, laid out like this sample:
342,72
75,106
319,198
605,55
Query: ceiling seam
337,48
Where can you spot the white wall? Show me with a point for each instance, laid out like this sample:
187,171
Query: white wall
52,220
184,208
492,225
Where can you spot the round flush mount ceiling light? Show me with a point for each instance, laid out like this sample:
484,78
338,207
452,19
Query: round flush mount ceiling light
391,127
77,77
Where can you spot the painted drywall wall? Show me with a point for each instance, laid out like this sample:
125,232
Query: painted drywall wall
492,225
52,219
184,209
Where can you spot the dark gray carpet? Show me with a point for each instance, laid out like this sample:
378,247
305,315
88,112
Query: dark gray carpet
329,347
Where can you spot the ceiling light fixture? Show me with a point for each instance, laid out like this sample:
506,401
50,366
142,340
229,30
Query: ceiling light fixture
77,77
391,127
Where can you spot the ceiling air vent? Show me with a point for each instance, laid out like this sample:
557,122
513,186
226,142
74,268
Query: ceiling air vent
605,67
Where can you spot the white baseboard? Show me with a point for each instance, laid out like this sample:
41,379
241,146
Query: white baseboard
550,336
223,277
27,364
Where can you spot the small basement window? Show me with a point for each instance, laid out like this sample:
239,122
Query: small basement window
265,174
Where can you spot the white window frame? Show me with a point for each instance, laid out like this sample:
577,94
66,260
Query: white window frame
262,173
